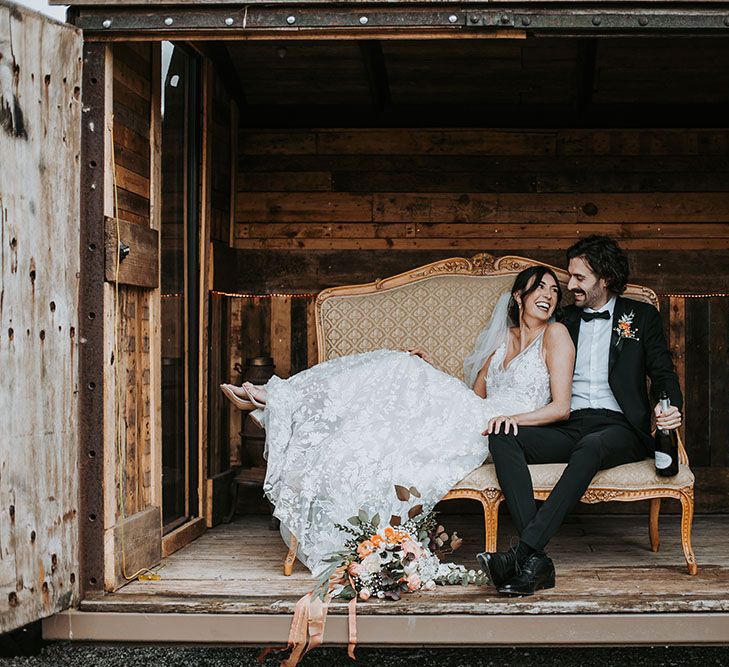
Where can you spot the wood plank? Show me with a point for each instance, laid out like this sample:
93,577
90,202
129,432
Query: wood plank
256,271
677,344
281,334
719,374
131,181
486,244
502,208
137,544
572,231
312,350
299,332
141,266
219,497
697,399
438,142
183,535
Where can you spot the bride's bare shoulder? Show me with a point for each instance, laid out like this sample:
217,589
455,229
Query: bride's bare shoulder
557,334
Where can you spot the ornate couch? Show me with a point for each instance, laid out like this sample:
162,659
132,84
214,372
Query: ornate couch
442,307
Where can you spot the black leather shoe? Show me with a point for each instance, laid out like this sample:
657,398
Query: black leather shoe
536,573
499,566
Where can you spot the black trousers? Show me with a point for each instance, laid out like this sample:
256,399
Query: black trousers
590,440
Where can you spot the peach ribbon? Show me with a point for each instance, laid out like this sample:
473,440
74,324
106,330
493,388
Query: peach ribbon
307,628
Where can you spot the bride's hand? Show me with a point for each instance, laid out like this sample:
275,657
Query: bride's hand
496,423
419,352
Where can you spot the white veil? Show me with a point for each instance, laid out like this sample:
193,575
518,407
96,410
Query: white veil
493,334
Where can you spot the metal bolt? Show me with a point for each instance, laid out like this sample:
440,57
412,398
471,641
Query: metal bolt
525,20
290,19
643,20
452,18
168,21
106,23
229,21
363,20
475,18
504,18
596,20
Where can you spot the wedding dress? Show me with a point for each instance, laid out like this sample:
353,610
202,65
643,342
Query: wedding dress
341,434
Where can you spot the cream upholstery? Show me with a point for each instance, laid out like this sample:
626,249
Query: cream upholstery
629,477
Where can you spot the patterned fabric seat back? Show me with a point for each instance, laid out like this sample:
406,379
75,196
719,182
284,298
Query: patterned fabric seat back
441,307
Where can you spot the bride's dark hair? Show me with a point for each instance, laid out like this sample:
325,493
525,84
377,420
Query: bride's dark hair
521,285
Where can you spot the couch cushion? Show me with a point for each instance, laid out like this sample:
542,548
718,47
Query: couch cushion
629,477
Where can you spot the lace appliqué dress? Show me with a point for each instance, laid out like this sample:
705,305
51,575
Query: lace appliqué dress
340,435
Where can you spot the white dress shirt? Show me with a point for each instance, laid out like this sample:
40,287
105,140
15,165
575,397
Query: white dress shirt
590,385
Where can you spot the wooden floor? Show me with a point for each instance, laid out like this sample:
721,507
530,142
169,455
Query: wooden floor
604,565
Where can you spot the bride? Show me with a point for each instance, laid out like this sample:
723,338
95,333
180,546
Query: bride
341,434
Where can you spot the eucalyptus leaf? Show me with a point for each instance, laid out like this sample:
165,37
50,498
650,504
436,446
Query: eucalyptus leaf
375,521
395,520
414,491
354,520
362,516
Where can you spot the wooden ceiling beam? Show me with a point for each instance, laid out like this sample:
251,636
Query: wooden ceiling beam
378,22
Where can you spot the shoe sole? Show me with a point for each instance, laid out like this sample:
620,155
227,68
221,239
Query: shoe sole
550,583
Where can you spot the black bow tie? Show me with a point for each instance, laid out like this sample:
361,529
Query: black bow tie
588,317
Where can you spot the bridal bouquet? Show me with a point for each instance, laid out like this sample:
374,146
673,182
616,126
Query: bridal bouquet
385,561
380,561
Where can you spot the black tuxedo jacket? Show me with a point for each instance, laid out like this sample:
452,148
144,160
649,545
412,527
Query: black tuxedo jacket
632,360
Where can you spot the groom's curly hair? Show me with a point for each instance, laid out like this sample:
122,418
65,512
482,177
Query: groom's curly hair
606,259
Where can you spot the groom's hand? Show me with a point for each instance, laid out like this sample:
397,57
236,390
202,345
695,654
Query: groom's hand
419,352
669,420
497,423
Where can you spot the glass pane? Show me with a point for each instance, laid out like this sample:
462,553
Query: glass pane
179,274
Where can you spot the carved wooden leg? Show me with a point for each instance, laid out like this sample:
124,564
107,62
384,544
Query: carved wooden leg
291,557
687,517
491,500
655,508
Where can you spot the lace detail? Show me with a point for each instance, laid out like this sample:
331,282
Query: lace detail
341,434
524,385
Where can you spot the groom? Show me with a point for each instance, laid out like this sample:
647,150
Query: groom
618,342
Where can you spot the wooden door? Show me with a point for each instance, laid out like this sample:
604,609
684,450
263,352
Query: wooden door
132,418
40,139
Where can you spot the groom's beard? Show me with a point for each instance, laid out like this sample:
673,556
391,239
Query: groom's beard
590,297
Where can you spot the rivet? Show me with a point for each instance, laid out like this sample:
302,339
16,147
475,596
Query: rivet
596,20
363,20
643,20
452,18
504,18
290,19
525,20
229,21
106,23
475,18
168,21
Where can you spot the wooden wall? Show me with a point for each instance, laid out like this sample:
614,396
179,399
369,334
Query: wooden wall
322,207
